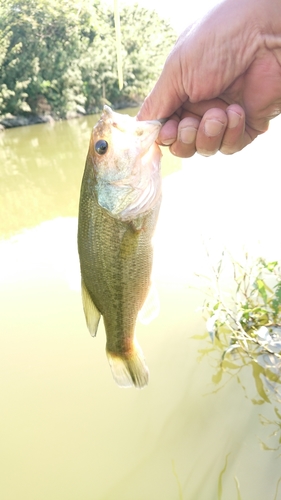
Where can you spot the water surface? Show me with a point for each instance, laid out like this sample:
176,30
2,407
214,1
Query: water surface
67,431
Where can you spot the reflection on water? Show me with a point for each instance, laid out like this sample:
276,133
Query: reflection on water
67,431
39,174
243,307
41,169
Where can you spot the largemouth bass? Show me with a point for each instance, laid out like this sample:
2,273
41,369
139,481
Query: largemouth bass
119,204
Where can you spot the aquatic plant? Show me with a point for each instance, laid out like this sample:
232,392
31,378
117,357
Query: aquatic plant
244,320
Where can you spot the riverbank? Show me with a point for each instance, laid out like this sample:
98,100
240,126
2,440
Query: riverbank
11,121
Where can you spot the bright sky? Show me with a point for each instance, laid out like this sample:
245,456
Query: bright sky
180,13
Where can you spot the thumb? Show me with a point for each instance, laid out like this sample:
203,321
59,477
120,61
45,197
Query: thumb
164,99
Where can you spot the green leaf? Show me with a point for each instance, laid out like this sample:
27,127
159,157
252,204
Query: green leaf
217,377
257,401
257,372
278,292
67,53
199,337
271,265
231,366
275,306
277,413
267,448
261,289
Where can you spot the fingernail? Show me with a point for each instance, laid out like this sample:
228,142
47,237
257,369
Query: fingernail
168,142
187,135
233,118
213,127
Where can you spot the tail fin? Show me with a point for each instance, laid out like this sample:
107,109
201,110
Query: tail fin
130,369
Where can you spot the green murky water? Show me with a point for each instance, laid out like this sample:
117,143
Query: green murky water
67,431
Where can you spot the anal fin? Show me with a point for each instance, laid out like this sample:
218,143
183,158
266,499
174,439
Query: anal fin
91,312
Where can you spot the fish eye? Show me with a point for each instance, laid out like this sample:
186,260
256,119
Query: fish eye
101,147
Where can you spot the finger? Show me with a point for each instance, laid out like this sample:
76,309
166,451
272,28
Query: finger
184,146
211,131
234,136
156,105
169,131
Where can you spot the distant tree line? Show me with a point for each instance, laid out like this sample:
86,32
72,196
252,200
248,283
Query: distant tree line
60,57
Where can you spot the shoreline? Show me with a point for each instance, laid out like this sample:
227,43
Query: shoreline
10,121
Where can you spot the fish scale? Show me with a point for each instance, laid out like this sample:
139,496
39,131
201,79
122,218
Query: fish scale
116,261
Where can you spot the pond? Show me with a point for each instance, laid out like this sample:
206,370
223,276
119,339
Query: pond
67,431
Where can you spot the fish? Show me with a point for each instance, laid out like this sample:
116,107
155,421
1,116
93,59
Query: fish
119,204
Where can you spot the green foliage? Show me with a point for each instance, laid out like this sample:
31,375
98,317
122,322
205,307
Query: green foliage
64,55
243,320
245,326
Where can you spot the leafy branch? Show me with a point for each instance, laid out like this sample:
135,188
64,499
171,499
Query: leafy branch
245,324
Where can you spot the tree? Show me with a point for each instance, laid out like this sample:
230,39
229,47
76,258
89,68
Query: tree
66,55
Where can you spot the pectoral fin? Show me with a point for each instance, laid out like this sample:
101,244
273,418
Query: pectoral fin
91,312
151,307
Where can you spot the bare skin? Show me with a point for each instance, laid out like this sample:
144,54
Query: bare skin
221,84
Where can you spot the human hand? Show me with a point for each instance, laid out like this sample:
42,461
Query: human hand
221,84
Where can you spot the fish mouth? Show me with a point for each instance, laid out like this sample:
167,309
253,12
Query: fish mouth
107,113
146,131
112,115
